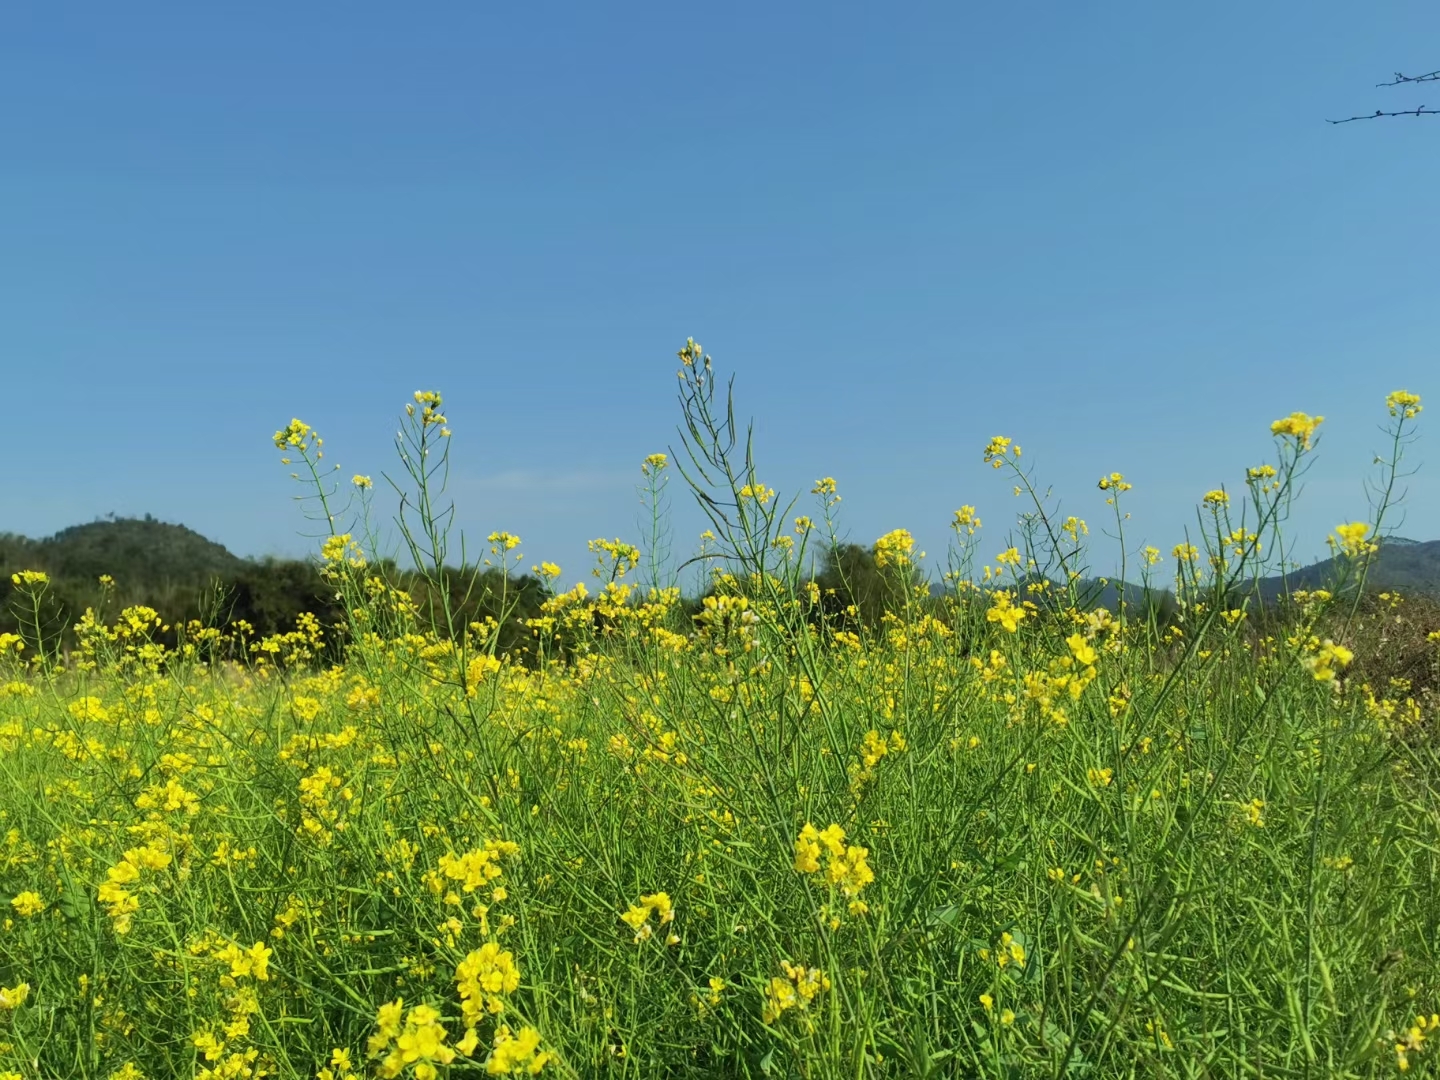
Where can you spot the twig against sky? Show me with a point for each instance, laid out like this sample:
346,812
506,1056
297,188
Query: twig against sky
1400,80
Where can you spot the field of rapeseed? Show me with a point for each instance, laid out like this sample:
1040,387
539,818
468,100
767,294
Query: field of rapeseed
1002,833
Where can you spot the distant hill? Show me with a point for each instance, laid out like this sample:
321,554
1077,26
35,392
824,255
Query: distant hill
143,553
1411,567
184,576
1407,566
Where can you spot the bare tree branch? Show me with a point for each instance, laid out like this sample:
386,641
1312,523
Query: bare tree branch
1400,79
1421,111
1430,76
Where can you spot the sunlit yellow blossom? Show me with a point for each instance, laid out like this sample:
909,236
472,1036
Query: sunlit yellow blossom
342,548
1099,777
799,987
1327,659
895,548
1005,612
483,979
996,449
28,904
967,519
637,917
1351,539
297,436
1298,426
1403,403
516,1053
1254,812
757,491
1081,649
503,541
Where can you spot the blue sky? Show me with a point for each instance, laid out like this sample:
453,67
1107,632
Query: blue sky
1121,234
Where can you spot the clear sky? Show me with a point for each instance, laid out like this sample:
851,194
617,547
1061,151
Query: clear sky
1119,233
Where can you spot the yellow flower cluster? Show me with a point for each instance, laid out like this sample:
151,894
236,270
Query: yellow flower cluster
1413,1039
1351,540
967,519
1326,659
477,868
638,916
502,542
298,435
873,748
12,997
27,904
895,548
996,450
416,1041
517,1053
342,548
847,867
338,1068
1010,950
430,415
620,556
796,990
1404,404
483,979
115,891
1298,426
1004,611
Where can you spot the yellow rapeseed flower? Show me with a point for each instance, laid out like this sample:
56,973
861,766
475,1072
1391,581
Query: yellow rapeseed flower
1351,539
27,904
1403,403
895,548
516,1053
1003,611
967,519
1298,426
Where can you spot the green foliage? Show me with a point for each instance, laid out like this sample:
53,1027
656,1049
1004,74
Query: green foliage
185,576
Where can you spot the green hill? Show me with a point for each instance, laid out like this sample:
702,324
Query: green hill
1411,567
184,576
168,567
141,553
